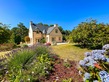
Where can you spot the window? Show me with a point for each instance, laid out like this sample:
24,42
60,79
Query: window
59,38
53,39
56,30
37,32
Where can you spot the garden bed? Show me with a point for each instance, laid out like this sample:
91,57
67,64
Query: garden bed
64,71
38,64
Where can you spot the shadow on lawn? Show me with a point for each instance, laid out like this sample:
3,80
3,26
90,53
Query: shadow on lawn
89,47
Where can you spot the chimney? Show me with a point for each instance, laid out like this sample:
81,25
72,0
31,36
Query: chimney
55,25
31,22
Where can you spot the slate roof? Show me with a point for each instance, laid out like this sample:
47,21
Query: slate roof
50,29
42,28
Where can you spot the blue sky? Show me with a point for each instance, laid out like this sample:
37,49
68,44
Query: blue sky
65,13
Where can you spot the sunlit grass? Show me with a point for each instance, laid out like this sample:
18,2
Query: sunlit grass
2,54
69,51
65,51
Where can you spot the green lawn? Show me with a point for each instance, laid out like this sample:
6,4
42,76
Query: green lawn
65,51
69,51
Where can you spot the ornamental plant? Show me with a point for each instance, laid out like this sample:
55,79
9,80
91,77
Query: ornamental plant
95,65
26,65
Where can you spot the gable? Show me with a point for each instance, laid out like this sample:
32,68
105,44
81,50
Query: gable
50,29
55,31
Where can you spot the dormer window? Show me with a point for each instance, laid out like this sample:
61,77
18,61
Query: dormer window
37,32
56,30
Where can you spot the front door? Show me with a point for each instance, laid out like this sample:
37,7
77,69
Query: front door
37,40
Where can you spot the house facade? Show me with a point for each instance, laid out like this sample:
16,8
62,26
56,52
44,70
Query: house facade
39,31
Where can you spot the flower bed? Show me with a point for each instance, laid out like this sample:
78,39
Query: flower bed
64,71
37,64
95,65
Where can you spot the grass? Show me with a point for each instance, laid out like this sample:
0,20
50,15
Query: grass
69,51
3,53
65,51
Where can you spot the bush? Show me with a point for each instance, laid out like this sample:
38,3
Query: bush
27,39
95,65
42,40
90,34
27,65
41,50
67,80
47,44
24,45
7,46
17,63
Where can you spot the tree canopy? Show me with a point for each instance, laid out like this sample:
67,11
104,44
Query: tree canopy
19,33
91,34
4,33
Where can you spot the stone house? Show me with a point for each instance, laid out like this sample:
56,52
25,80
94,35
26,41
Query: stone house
39,31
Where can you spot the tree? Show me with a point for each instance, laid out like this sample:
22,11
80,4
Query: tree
40,23
91,34
4,33
61,29
65,33
19,33
51,25
17,39
22,31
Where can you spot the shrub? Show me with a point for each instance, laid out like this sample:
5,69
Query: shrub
67,64
48,44
94,67
17,63
27,39
42,40
67,80
41,50
27,65
24,45
7,46
41,66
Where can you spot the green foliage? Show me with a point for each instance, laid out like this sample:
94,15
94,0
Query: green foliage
90,34
67,64
24,45
42,66
7,46
22,30
51,25
17,39
28,66
65,33
4,33
19,33
42,40
41,50
17,63
67,80
40,23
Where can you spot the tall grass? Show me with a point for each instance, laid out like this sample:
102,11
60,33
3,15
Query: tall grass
27,65
20,58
